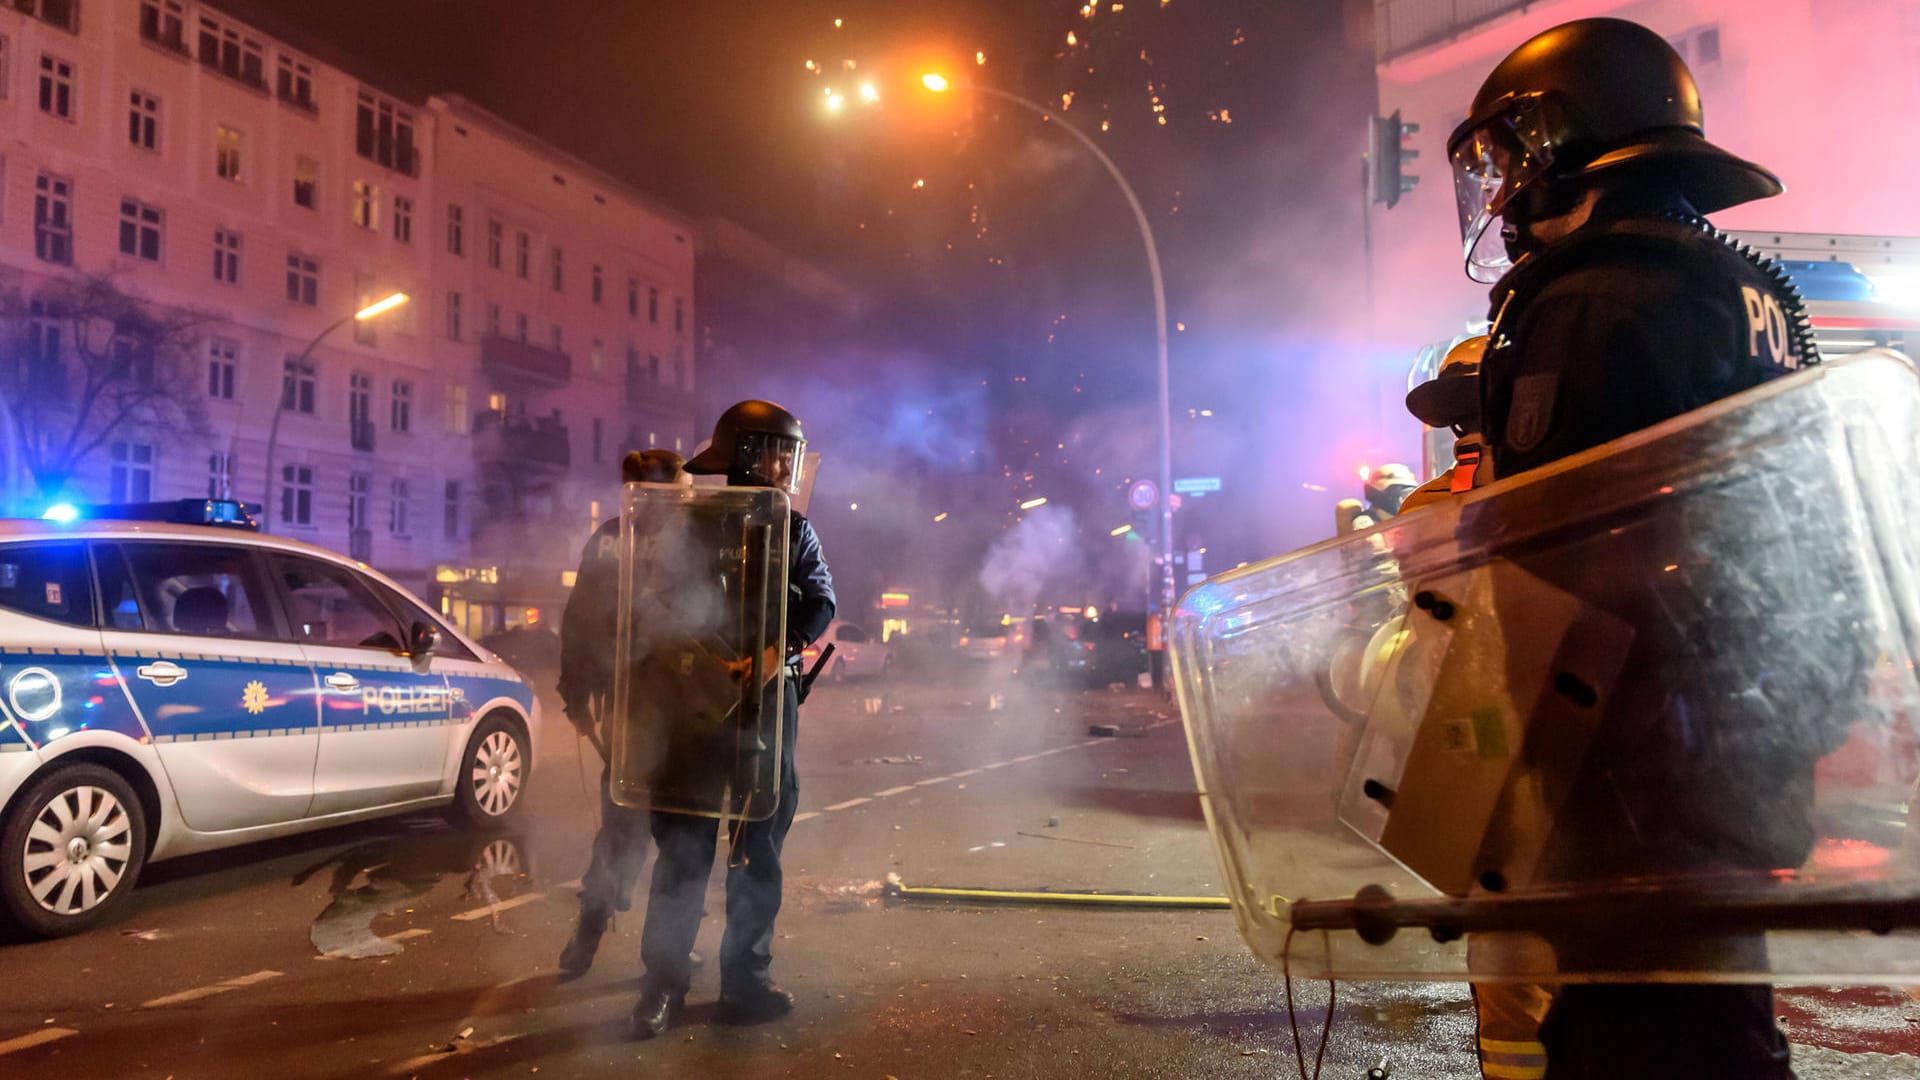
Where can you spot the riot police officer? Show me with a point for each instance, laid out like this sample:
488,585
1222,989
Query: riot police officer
755,444
586,680
1618,307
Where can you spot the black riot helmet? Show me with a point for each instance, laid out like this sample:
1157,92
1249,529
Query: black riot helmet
655,466
1586,99
755,444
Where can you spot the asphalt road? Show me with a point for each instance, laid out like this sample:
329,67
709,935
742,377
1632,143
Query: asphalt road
405,948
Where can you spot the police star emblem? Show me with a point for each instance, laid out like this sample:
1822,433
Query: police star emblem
254,699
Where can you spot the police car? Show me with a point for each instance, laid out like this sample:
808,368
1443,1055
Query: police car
170,688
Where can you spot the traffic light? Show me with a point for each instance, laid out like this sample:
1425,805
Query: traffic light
1390,157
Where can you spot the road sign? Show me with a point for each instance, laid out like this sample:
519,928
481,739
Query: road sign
1143,495
1196,485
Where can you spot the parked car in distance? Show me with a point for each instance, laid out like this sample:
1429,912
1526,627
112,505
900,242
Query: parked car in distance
856,653
179,688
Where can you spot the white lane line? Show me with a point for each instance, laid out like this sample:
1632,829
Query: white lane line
808,816
892,791
969,772
995,765
1028,757
574,884
504,905
38,1038
932,780
850,803
199,992
410,934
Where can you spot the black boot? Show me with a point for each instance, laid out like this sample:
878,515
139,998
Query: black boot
655,1012
577,957
754,1003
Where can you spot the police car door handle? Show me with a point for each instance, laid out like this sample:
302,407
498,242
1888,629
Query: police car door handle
163,674
342,682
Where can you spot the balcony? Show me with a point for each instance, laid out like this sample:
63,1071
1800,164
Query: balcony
518,442
1402,26
362,433
523,363
658,398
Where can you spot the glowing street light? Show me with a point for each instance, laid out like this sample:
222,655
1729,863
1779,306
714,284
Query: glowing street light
868,93
381,307
935,82
1034,504
835,102
1121,531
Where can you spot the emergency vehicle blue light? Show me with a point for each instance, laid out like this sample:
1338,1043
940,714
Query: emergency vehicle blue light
62,512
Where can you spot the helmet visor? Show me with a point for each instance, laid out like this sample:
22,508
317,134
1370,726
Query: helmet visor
1492,161
772,461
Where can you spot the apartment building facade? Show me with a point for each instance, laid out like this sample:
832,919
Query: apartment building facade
1820,91
197,165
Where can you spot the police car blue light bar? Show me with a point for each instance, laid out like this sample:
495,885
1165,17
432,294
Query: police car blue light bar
220,513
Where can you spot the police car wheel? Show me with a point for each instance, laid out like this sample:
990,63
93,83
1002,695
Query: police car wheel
70,850
493,775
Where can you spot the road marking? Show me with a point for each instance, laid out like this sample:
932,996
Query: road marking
892,791
38,1038
408,935
199,992
574,884
848,804
969,772
932,780
1029,757
798,818
504,905
995,765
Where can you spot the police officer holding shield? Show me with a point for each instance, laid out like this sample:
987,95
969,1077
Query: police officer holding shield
1617,307
587,632
756,444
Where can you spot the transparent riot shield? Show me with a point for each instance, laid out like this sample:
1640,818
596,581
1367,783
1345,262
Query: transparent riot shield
699,654
1649,713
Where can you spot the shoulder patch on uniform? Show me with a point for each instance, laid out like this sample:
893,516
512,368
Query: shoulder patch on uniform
1530,416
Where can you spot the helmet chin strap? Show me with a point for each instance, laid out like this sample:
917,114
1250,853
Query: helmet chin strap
1540,202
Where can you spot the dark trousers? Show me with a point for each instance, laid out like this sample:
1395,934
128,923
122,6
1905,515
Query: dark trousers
1664,1032
678,898
619,851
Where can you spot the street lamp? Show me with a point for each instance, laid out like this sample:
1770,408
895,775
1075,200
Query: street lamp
939,84
371,311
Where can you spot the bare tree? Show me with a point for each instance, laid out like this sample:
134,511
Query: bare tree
83,360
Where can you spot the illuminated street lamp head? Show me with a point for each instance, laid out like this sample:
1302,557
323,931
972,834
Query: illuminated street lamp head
868,94
381,307
935,82
835,102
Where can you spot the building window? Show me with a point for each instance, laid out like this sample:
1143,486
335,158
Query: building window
522,255
219,476
226,256
295,83
456,230
633,298
223,49
306,182
679,315
558,339
359,486
164,22
559,270
366,204
453,316
131,476
403,219
56,87
599,440
228,145
296,495
493,320
303,280
383,133
221,361
451,525
653,369
6,66
599,286
143,120
653,305
633,364
597,356
397,507
402,406
360,410
296,385
679,370
131,361
44,326
60,13
53,218
140,230
458,421
497,403
495,231
520,325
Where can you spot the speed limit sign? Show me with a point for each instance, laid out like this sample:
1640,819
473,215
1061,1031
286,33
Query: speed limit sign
1144,495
